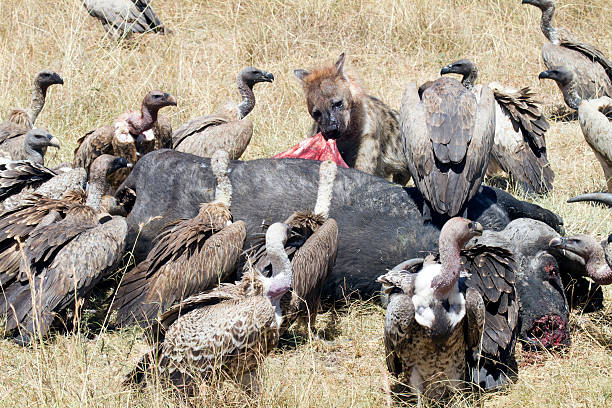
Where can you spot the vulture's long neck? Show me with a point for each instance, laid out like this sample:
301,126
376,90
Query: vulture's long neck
327,176
143,123
95,190
470,78
546,24
597,268
38,101
570,95
34,155
223,191
450,259
248,97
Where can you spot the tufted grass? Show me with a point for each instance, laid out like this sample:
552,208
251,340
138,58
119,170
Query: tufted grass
388,44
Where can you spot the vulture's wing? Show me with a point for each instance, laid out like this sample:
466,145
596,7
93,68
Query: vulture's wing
591,53
67,277
449,138
492,273
93,144
17,175
147,16
233,137
398,285
520,147
196,125
188,260
312,264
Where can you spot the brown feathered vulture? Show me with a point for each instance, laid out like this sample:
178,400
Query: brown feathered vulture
449,132
227,129
593,70
312,246
64,259
451,314
519,147
190,256
227,329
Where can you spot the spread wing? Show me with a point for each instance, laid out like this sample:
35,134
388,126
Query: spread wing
93,144
492,273
312,264
195,126
189,259
520,147
448,136
17,175
591,53
398,285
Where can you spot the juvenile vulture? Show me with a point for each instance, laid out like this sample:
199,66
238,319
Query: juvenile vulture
189,257
121,18
449,133
129,131
594,115
52,271
441,324
519,147
22,120
312,246
227,129
226,329
593,70
596,255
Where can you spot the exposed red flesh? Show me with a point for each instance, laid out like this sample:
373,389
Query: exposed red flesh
549,331
315,148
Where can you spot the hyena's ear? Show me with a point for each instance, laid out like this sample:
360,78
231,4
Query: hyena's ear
340,66
300,74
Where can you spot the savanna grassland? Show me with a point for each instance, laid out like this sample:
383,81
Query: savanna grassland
388,44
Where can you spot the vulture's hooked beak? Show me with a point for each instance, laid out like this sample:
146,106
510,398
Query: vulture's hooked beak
267,76
171,100
54,142
544,75
446,70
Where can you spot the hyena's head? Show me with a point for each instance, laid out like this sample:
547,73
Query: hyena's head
330,95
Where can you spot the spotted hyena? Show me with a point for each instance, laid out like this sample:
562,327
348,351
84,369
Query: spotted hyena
366,130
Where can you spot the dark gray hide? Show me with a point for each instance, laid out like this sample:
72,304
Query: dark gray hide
380,223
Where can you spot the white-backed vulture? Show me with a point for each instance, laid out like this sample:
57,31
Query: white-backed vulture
441,324
189,257
519,148
228,328
227,129
312,247
121,18
594,115
449,133
32,146
65,258
593,70
22,120
596,255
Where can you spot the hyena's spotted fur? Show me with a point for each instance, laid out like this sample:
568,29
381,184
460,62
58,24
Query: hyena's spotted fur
366,130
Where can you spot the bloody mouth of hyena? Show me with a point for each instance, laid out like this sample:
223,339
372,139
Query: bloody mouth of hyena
548,331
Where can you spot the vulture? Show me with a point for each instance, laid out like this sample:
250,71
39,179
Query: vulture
189,257
594,115
129,131
312,247
228,328
32,146
52,270
596,255
22,120
449,133
442,323
593,70
227,128
121,18
519,147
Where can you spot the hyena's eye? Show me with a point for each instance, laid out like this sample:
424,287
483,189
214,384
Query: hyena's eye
337,104
316,113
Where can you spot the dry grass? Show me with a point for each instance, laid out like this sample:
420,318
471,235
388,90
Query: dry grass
388,44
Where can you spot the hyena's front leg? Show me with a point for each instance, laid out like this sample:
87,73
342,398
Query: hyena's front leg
368,156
